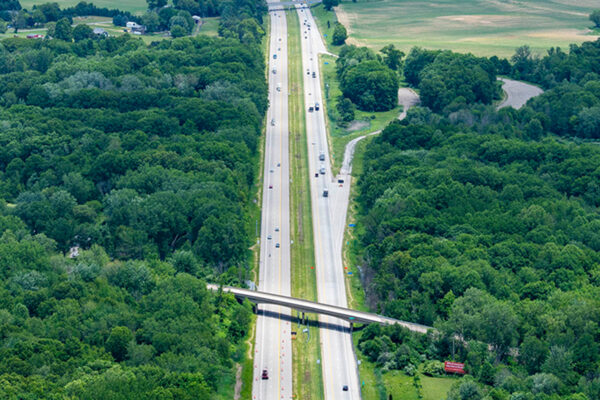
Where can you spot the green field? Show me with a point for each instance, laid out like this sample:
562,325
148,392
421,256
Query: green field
209,26
134,6
482,27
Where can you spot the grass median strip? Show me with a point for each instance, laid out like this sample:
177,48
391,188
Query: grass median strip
307,376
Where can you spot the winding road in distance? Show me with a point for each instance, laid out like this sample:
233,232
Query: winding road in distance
517,93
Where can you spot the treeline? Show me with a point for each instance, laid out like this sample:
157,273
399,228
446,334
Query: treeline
241,19
481,223
126,177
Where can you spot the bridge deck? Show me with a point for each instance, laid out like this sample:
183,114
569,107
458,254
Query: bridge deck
346,314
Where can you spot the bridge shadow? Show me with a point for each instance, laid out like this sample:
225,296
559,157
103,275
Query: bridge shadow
309,321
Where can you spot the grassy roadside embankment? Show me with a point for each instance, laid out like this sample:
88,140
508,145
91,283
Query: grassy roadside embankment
306,348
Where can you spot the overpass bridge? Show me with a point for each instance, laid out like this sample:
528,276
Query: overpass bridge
281,5
347,314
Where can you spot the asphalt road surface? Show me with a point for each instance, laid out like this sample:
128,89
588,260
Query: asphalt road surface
517,93
337,354
273,350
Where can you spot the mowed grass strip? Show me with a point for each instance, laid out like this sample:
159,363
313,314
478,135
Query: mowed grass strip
482,27
307,374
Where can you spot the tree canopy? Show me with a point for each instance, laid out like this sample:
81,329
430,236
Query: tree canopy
484,224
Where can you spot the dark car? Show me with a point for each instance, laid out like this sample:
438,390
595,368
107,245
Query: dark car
277,245
314,75
265,375
316,106
345,388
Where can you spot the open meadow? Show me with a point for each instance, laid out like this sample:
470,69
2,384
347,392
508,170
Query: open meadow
482,27
133,6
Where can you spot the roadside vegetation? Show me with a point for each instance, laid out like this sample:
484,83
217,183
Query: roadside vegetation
307,374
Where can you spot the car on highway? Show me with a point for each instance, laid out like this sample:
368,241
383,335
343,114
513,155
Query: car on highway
308,72
310,109
271,170
265,374
270,186
325,193
276,229
274,70
277,245
273,122
269,237
274,56
322,170
322,156
345,388
316,106
279,87
314,75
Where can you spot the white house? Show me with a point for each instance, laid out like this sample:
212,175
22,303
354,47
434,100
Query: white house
133,25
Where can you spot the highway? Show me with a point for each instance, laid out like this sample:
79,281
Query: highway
273,350
337,354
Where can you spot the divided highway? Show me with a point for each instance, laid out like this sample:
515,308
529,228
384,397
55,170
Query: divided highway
273,350
340,375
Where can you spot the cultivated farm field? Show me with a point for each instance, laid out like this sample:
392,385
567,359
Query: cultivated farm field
482,27
133,6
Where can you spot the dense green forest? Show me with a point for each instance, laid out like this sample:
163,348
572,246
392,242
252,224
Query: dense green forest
126,177
485,224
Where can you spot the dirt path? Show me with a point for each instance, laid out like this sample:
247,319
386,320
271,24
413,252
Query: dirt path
517,93
238,382
407,98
